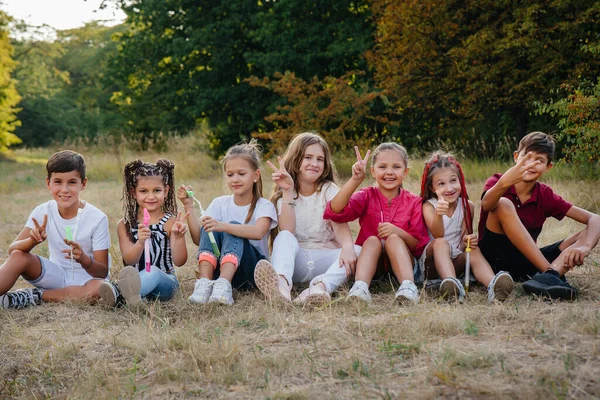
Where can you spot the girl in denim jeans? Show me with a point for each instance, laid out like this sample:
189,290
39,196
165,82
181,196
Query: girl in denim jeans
241,224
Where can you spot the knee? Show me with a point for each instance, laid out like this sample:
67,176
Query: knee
371,242
285,235
504,206
439,244
17,255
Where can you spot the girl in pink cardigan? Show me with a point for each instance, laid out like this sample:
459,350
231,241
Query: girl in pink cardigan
392,230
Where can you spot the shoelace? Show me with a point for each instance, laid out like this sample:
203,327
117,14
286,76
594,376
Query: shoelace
21,299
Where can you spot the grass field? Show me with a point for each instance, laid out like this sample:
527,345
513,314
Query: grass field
523,348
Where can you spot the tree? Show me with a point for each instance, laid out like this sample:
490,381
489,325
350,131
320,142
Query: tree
470,72
9,98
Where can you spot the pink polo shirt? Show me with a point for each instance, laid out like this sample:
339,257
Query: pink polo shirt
371,207
542,204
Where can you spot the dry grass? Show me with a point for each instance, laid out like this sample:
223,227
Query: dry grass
524,348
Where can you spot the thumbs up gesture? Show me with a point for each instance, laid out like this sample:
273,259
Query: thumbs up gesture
442,205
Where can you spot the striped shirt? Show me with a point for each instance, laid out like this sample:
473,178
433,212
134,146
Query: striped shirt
160,246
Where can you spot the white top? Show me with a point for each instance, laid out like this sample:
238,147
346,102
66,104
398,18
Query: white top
90,230
312,231
453,227
224,209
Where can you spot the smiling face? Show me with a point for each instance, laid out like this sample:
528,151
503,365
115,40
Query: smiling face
150,192
65,188
446,181
389,171
312,165
240,177
535,172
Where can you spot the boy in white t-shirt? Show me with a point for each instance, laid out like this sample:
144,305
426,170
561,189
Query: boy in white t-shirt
78,242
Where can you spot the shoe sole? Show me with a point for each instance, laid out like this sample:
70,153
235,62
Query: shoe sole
267,281
449,291
552,292
357,299
107,295
317,300
130,284
219,300
503,287
405,301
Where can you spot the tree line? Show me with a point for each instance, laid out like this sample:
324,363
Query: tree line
469,76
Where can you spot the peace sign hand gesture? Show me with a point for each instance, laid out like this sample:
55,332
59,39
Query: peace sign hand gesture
280,176
38,233
179,227
519,170
359,169
442,205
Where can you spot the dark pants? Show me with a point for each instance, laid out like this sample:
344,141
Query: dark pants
504,256
245,252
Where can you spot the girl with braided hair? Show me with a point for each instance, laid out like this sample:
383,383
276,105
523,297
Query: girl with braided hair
240,222
448,214
148,187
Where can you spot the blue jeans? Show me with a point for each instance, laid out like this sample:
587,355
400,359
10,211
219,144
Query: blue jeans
157,284
245,252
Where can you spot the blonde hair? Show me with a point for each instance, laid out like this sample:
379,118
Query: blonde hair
250,152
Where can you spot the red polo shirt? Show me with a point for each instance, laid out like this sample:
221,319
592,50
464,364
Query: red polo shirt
542,204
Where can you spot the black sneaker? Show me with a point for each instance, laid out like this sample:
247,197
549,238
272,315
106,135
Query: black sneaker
21,298
549,284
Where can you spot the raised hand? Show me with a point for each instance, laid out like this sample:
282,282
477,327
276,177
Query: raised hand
143,233
210,224
280,176
179,227
39,232
182,195
442,205
516,173
75,249
359,169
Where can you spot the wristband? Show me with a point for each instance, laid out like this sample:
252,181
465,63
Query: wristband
291,203
89,266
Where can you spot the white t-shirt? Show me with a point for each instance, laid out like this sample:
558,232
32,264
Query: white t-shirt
312,231
224,209
91,233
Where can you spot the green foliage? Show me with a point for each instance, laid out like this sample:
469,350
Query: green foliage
339,109
579,132
62,84
181,63
8,93
468,73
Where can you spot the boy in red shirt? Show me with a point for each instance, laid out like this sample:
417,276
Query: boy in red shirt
514,207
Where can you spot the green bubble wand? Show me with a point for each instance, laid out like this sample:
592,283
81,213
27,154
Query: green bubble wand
211,236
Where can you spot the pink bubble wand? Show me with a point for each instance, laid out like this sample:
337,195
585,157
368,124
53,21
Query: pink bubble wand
147,241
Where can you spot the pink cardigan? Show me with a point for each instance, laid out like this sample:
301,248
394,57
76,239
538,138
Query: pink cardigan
404,211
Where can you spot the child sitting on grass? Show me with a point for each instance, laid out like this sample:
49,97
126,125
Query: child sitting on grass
78,242
514,207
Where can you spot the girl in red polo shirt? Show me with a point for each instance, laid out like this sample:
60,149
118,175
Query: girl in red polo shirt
391,222
448,214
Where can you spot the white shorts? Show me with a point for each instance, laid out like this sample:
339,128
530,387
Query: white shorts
54,276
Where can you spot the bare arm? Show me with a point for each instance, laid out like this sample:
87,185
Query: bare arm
433,220
130,251
28,238
252,232
587,240
283,180
189,205
176,230
359,171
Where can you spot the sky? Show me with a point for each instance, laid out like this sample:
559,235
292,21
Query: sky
61,14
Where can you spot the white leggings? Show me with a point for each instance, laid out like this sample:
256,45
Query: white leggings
303,265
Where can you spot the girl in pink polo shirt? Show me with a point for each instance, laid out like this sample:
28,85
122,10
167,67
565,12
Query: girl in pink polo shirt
392,231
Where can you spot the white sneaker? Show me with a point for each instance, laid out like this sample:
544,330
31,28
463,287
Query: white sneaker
313,297
500,287
222,292
129,284
451,289
407,292
270,283
202,290
360,290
